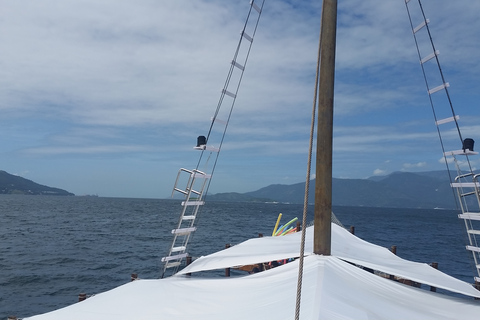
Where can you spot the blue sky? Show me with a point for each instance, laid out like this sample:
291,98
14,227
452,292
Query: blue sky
108,97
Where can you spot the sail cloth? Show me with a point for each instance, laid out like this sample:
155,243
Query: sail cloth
345,246
332,289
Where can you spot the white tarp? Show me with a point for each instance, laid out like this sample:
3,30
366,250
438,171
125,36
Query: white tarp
344,246
332,289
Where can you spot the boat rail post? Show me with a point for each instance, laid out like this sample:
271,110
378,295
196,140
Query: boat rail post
188,261
352,229
476,285
393,249
435,266
227,270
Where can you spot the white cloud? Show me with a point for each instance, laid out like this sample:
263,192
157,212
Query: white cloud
379,172
85,150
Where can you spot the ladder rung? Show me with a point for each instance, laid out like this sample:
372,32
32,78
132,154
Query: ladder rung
183,231
193,203
188,218
201,175
228,93
175,257
460,152
173,264
473,248
464,175
197,173
471,231
185,170
470,216
177,249
180,190
447,120
440,87
186,192
464,184
421,25
467,194
430,56
254,5
246,36
238,65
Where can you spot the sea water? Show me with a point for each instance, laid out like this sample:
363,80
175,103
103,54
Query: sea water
54,248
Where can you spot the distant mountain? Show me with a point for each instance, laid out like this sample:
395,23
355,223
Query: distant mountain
12,184
397,190
236,197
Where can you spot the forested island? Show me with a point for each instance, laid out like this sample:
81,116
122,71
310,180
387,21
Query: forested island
12,184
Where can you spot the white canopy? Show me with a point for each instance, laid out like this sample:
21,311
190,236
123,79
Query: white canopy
332,289
345,246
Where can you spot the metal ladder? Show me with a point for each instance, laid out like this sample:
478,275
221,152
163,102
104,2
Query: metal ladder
193,184
465,184
193,191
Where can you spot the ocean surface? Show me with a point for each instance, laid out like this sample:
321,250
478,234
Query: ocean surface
54,248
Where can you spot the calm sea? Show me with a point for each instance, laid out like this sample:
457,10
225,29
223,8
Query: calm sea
53,248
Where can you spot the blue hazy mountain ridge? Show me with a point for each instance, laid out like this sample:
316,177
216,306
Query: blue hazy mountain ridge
397,190
12,184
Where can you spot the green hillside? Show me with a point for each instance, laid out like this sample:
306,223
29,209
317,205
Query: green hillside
12,184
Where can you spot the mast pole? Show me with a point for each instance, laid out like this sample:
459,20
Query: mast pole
323,179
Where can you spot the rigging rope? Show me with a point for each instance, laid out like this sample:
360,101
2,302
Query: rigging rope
203,159
458,195
430,95
307,187
227,81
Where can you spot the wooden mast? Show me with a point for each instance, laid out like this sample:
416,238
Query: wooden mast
323,179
